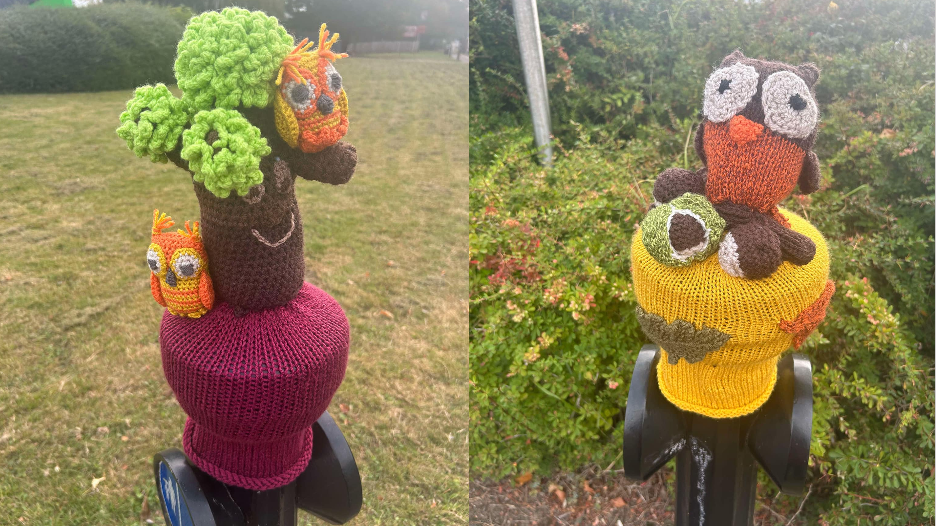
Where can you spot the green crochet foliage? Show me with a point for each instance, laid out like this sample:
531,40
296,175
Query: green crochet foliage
656,234
153,122
229,59
232,162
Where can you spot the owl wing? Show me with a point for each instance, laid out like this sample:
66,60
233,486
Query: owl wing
206,291
156,290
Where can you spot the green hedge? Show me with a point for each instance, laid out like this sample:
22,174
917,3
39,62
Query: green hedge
553,333
96,48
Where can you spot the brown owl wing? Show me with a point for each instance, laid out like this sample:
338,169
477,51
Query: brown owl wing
810,177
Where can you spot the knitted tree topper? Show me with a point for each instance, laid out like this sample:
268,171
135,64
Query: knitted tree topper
258,369
726,281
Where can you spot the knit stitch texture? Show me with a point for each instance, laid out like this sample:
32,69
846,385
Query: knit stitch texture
230,59
762,317
682,231
253,385
232,160
153,122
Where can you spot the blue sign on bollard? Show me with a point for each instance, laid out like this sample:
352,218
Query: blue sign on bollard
177,513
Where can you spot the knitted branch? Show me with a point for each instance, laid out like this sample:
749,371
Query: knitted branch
153,122
229,162
228,59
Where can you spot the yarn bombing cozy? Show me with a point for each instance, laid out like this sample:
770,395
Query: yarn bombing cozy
725,279
257,361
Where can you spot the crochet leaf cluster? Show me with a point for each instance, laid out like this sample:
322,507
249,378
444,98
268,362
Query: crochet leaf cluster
228,59
153,122
230,162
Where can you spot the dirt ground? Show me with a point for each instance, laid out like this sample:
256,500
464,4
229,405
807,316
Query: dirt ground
587,499
599,498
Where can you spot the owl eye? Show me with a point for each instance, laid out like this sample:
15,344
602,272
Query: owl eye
186,266
728,91
789,108
299,96
334,78
154,260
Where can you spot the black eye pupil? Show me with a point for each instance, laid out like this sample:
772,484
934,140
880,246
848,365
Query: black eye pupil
153,264
187,269
797,102
336,81
300,93
723,87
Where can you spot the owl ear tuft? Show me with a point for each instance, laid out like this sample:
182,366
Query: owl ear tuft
735,57
809,72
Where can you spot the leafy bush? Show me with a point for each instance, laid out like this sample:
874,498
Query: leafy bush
553,335
96,48
553,330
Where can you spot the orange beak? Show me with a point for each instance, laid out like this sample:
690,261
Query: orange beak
743,130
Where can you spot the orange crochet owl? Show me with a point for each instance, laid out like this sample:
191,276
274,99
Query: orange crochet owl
311,106
179,280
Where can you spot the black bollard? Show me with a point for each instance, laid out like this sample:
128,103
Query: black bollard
716,459
329,488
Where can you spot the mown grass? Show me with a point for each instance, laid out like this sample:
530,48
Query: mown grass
82,393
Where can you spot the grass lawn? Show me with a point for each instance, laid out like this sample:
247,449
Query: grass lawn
82,393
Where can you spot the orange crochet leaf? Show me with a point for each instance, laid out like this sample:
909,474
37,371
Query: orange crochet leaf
810,318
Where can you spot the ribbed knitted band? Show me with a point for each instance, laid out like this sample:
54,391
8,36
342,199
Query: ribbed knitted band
725,391
256,466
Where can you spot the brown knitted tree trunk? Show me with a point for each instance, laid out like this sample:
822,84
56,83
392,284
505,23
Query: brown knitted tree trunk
254,243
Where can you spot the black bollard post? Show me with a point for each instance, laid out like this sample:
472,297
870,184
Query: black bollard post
716,459
329,488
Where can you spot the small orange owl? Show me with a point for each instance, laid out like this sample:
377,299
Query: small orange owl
311,105
179,265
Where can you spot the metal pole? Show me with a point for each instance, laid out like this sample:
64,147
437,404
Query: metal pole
534,72
716,459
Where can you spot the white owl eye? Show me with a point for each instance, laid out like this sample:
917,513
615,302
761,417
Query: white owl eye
728,91
334,78
789,109
185,266
299,96
153,260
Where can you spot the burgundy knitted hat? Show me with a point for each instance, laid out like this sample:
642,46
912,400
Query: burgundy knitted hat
253,385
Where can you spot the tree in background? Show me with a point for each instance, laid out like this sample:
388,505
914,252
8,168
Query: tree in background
356,20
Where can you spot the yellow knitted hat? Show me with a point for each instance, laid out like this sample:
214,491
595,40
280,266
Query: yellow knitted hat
721,336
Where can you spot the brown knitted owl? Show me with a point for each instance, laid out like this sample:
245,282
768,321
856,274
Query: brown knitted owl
756,143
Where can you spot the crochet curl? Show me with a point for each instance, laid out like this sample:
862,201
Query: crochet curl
232,161
230,59
153,122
